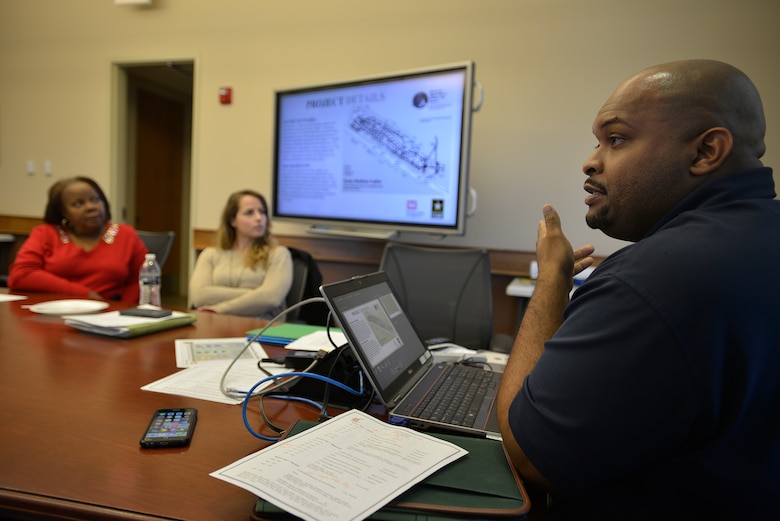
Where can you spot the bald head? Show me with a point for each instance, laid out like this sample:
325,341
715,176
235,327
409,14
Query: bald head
664,133
702,94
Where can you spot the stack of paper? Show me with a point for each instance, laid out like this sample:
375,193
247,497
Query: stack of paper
126,326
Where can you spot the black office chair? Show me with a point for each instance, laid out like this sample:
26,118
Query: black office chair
300,276
159,243
6,250
307,279
447,293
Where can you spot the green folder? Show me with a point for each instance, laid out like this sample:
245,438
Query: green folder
283,334
483,484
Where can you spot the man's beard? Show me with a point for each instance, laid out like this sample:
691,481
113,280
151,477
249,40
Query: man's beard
598,219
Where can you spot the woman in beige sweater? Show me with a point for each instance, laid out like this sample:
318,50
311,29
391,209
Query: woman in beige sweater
249,273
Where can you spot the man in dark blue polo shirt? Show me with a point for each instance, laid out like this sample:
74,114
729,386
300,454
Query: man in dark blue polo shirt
655,392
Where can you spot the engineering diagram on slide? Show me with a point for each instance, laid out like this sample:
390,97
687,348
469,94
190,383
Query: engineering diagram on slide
384,139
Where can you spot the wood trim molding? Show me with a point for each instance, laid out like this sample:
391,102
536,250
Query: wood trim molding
369,251
343,257
16,225
366,252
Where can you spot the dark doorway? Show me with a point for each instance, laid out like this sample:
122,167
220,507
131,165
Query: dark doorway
157,153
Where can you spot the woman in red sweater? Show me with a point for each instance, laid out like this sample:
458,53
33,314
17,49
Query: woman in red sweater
79,251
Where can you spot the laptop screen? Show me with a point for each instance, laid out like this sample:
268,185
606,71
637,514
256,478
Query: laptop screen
380,333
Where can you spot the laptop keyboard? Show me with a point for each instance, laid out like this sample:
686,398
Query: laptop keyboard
457,396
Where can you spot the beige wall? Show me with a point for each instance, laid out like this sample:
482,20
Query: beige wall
546,67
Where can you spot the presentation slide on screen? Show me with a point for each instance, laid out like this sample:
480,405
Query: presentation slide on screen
388,151
373,327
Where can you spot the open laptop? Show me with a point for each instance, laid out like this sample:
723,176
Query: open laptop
400,366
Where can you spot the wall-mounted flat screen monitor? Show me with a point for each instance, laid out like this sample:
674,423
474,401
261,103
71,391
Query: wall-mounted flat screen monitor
376,155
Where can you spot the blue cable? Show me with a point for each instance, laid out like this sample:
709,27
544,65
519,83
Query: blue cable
294,398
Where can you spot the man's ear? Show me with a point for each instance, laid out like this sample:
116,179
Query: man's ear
713,147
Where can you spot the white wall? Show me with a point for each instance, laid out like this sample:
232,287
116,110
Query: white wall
546,66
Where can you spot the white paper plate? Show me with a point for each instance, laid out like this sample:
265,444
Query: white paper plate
68,307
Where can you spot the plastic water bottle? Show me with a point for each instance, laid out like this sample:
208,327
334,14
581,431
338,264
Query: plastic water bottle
149,281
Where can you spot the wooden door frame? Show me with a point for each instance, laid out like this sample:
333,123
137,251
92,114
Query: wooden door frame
122,170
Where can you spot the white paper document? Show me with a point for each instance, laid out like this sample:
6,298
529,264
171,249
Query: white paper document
4,297
190,351
344,469
202,380
316,341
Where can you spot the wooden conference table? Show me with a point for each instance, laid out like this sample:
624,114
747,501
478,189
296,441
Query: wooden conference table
72,412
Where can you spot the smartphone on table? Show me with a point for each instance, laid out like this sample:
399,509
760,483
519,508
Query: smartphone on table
146,312
170,428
